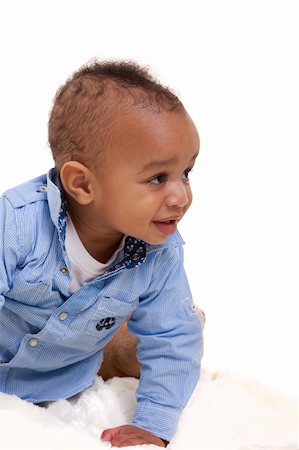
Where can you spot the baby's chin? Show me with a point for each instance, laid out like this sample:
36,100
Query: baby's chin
157,241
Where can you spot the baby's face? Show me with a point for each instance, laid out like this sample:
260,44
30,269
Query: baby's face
143,189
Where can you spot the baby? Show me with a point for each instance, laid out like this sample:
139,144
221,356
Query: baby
93,245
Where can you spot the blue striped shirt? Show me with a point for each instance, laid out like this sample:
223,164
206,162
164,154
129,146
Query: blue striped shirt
51,341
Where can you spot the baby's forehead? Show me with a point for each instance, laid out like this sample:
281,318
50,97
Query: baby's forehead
133,122
143,134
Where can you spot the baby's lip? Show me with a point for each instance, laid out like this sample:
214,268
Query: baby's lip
166,227
169,219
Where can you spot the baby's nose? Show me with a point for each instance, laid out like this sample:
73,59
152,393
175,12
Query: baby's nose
178,195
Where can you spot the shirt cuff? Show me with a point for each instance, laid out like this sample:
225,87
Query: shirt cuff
159,420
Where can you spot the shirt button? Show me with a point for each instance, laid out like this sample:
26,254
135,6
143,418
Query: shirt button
63,316
63,270
33,342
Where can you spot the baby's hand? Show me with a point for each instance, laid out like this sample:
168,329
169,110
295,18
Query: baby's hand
129,435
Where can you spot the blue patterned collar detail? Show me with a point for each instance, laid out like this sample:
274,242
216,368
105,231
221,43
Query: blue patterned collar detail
134,254
57,204
62,219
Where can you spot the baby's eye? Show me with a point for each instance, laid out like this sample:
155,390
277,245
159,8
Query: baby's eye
185,175
158,179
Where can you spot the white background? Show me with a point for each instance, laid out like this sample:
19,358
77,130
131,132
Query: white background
235,67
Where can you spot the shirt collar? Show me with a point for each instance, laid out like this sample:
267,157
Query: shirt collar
134,251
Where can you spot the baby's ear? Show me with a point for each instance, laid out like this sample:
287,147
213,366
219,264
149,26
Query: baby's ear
76,180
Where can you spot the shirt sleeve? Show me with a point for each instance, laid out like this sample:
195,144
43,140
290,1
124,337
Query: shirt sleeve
170,347
9,247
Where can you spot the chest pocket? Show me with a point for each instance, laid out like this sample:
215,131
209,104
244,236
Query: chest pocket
109,316
29,292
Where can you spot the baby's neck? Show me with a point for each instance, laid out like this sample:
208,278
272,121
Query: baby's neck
99,244
101,254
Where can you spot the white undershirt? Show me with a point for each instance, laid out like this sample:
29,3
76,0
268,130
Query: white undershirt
84,267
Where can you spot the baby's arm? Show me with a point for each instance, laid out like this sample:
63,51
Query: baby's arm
170,347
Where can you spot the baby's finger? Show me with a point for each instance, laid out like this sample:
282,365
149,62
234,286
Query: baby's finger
110,433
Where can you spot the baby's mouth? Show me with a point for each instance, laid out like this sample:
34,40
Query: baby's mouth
166,226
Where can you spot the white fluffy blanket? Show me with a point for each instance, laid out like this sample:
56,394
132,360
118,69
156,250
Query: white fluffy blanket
224,413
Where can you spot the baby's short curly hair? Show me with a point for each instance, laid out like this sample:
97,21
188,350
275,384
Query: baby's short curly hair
85,106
